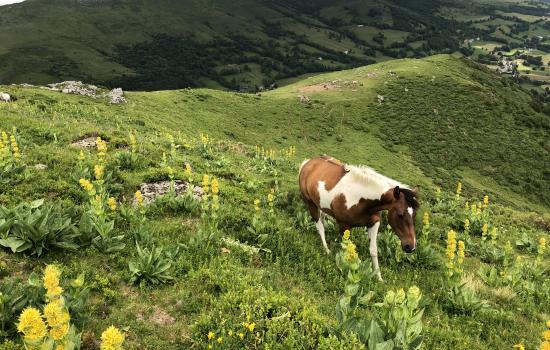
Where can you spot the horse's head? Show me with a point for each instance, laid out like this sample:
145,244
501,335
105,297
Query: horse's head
401,216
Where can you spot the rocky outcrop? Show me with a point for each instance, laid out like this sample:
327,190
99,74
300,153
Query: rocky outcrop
75,88
152,190
115,96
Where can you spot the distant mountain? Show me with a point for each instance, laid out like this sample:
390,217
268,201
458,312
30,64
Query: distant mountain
238,44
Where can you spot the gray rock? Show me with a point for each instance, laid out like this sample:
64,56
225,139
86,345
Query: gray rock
116,96
40,167
152,190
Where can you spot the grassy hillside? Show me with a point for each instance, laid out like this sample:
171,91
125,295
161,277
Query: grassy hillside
429,122
237,45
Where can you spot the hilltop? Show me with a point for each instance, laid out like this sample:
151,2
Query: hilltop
247,269
242,45
441,118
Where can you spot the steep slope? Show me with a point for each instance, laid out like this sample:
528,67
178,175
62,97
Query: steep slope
423,121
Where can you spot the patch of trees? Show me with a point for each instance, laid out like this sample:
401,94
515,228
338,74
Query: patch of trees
532,60
171,62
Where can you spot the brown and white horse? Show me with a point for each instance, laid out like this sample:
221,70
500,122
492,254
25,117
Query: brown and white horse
355,196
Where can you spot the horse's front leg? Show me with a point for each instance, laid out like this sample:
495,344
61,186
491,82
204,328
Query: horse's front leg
373,248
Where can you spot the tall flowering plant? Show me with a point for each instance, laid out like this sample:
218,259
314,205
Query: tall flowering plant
101,206
397,322
11,164
52,329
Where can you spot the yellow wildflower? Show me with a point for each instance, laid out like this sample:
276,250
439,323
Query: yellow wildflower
451,248
188,171
99,170
466,224
400,296
257,205
350,253
389,298
519,347
133,142
414,293
31,324
111,202
485,201
270,198
347,233
59,332
241,335
458,189
56,314
548,324
51,281
88,187
5,139
81,156
111,339
467,205
484,229
219,340
545,346
230,333
426,220
251,326
210,335
460,252
205,184
546,335
14,148
139,198
541,247
60,347
215,186
101,147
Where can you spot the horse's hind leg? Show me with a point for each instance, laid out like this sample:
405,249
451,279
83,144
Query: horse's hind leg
320,224
319,218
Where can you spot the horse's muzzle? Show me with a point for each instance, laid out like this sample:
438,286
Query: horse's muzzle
408,248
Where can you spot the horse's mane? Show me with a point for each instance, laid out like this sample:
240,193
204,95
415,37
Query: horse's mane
368,175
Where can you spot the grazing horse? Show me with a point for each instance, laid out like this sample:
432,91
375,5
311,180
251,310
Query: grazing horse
355,196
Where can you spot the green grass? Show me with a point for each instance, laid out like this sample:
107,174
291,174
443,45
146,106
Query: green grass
456,122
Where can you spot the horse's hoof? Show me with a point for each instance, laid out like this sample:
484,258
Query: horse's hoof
327,251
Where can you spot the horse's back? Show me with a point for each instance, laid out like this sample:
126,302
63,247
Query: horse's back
321,169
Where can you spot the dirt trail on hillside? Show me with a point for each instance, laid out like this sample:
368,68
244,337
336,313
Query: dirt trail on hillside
329,85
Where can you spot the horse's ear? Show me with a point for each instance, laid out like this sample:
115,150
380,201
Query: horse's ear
396,192
415,190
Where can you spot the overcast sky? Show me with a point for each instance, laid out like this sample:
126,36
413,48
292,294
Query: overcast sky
7,2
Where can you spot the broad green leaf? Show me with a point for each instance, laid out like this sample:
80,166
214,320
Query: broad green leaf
13,243
376,335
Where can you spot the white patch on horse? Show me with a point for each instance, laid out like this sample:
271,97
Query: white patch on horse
357,184
410,211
